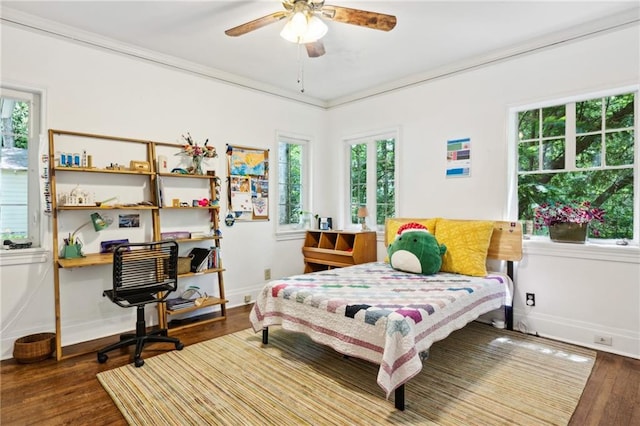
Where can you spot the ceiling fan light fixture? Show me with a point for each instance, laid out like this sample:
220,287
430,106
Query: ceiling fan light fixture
316,29
303,29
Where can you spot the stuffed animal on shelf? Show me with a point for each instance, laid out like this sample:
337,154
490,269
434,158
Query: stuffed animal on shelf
416,250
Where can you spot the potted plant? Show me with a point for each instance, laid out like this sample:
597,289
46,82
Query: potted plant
197,153
568,222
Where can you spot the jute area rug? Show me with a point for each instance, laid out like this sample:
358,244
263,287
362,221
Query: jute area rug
477,376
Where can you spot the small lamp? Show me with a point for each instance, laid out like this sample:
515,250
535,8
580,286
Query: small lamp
362,215
72,248
99,223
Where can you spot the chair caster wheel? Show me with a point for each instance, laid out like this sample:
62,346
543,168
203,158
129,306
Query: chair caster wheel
102,358
139,362
179,346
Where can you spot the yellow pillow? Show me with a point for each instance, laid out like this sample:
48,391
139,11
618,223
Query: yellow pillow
467,243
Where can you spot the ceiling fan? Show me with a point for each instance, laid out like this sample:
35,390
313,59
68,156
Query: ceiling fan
304,25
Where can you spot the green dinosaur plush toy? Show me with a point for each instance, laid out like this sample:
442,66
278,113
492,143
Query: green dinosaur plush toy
416,250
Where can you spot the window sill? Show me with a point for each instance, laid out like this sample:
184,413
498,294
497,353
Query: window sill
24,256
608,253
293,234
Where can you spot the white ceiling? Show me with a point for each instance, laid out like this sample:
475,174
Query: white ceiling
431,38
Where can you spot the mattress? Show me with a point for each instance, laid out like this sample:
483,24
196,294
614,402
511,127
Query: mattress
379,314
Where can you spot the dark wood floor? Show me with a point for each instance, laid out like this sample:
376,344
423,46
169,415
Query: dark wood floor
68,393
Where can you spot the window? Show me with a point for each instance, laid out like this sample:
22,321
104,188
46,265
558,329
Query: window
372,177
582,150
19,172
293,180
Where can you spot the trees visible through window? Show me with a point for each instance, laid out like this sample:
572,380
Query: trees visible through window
19,194
372,177
293,197
581,151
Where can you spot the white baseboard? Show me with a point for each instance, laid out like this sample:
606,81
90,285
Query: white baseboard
624,342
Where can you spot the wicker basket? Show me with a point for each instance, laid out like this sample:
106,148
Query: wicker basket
184,265
34,348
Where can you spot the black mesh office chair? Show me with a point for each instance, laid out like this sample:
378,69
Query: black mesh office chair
143,273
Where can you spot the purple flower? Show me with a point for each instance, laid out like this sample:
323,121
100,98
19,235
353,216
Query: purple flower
573,212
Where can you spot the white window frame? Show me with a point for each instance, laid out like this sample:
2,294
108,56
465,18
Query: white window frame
293,231
594,249
38,147
370,139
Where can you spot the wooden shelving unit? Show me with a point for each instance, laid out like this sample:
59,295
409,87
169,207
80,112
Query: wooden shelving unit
166,316
336,249
149,180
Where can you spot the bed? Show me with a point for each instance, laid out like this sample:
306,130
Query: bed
389,317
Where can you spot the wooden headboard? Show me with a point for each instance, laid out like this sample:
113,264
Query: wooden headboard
506,240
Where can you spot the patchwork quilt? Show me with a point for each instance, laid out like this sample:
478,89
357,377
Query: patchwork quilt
374,312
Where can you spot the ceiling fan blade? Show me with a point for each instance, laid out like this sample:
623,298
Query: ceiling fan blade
255,24
376,21
315,49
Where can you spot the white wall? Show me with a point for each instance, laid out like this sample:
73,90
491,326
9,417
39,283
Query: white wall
99,92
94,91
576,297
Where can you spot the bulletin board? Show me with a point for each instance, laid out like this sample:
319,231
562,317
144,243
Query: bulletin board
248,182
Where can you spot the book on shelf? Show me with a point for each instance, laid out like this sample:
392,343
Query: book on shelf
214,258
179,303
160,191
199,259
200,234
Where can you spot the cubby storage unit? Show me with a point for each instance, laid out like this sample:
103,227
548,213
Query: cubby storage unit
336,249
125,175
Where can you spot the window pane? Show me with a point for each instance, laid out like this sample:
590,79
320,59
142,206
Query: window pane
372,175
290,168
619,111
14,126
611,190
528,155
14,178
528,124
282,193
553,119
553,154
619,148
358,179
385,182
589,116
603,148
618,202
588,151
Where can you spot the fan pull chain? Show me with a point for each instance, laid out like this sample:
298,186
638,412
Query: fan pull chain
300,68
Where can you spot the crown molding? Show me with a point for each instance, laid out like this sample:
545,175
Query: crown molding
54,29
594,28
619,21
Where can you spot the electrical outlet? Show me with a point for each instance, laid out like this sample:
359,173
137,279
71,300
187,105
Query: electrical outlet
531,299
247,298
603,340
267,274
